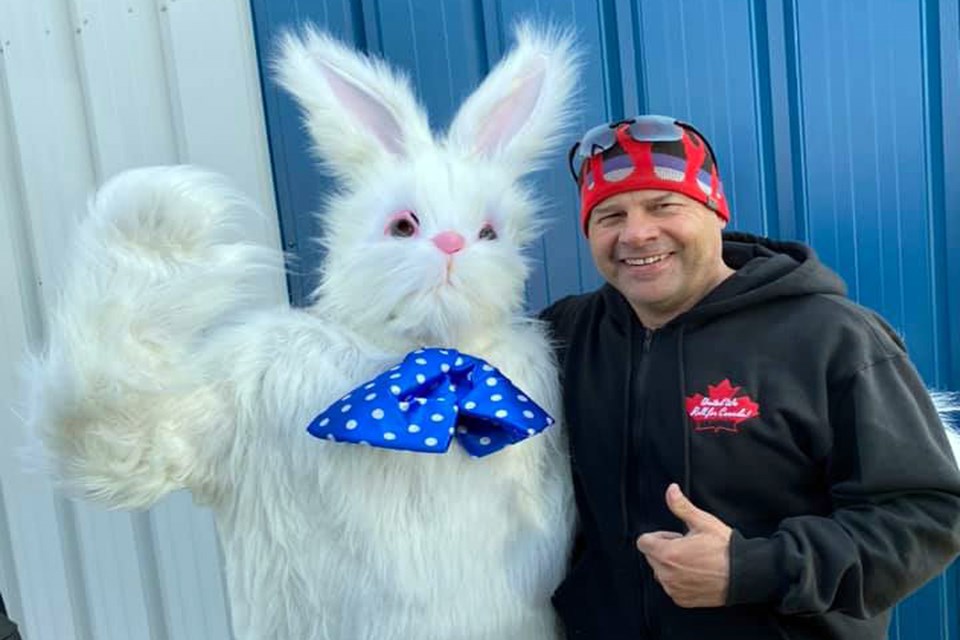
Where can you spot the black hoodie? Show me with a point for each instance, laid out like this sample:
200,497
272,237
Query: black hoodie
779,406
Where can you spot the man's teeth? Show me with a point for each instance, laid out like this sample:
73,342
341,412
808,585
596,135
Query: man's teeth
638,262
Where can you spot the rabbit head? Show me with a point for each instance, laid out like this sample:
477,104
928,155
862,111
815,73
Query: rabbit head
425,235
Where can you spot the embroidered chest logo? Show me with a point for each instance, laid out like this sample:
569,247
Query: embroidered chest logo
721,409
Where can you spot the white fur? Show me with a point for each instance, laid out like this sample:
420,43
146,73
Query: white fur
379,118
493,123
948,406
166,368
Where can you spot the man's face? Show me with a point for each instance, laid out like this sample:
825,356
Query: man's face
660,249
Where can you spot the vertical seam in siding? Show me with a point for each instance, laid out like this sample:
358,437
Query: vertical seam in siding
170,81
260,16
933,157
76,20
154,600
850,156
610,57
70,550
881,266
795,84
643,91
763,99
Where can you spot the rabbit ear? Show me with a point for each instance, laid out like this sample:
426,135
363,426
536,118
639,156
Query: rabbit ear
357,110
518,113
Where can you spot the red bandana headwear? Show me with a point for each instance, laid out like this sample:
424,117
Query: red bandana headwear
684,166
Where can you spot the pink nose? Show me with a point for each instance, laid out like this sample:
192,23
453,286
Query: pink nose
448,241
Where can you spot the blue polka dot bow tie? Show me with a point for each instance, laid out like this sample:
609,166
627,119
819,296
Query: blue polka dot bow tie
428,399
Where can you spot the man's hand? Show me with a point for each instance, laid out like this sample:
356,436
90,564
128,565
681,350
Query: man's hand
694,569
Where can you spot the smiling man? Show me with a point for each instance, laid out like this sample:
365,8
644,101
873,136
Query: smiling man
659,249
754,454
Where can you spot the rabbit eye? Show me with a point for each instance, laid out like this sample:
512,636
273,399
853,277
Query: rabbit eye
487,233
403,225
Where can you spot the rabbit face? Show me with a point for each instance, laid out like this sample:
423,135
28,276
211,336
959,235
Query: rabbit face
433,256
424,238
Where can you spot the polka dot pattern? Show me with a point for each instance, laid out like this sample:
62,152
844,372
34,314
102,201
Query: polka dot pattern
430,400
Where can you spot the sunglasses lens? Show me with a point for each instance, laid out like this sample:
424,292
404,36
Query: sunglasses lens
655,129
649,128
641,129
595,141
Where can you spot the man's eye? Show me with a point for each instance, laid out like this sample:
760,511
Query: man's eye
487,233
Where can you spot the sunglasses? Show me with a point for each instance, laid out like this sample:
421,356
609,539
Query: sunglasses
648,128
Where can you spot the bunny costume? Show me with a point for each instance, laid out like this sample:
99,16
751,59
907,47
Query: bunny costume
168,367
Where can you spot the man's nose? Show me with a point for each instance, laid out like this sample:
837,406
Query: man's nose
638,228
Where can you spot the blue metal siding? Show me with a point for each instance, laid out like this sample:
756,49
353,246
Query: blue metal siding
834,121
946,15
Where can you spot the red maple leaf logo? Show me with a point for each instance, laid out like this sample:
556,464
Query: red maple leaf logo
722,409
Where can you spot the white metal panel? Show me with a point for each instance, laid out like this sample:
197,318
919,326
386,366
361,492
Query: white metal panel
120,59
88,88
188,553
49,127
41,545
213,66
35,559
52,123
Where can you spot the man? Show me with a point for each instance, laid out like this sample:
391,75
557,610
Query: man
754,455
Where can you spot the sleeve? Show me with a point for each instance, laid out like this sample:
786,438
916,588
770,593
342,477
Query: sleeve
895,524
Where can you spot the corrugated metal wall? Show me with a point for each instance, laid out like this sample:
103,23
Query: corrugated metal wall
87,88
831,119
835,122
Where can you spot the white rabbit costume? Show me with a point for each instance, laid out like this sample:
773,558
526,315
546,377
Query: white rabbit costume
166,368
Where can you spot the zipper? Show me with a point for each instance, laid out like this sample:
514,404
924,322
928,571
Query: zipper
636,443
636,454
625,436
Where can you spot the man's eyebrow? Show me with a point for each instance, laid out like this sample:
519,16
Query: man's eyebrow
607,208
660,199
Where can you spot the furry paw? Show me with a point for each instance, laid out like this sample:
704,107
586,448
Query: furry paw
163,251
175,212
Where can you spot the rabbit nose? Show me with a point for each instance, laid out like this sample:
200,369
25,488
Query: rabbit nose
448,241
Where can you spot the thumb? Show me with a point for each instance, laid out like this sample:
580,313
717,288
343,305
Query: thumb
649,542
695,519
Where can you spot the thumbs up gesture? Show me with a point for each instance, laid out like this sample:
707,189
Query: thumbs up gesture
694,569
